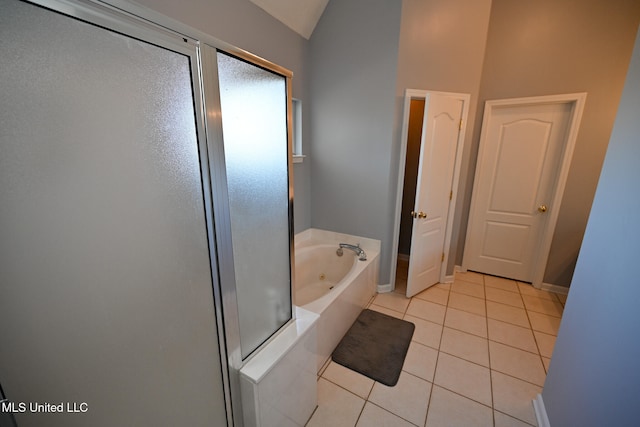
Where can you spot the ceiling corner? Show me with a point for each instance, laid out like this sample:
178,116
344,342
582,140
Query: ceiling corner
299,15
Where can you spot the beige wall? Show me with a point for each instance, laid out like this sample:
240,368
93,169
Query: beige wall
505,49
442,45
548,47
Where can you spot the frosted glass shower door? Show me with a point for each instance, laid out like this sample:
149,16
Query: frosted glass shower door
254,126
106,296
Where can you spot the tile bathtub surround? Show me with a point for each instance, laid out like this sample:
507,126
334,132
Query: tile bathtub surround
478,357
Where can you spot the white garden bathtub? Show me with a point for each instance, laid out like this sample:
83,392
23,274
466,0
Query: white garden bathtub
335,287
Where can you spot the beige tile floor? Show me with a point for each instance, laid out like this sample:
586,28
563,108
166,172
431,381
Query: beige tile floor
478,357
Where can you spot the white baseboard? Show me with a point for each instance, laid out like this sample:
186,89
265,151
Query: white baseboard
456,269
382,289
554,288
541,412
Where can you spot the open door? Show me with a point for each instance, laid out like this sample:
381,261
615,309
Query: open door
441,146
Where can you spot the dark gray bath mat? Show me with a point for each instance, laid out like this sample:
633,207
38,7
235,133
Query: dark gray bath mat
375,346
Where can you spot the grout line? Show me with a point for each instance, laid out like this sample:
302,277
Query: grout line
324,367
515,418
466,397
413,375
392,413
467,360
435,368
520,379
486,308
372,299
517,348
540,355
312,414
361,411
426,415
535,339
387,308
347,390
434,302
466,332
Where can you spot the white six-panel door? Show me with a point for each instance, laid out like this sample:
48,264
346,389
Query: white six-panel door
520,163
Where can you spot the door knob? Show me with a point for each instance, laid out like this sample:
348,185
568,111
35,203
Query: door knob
542,208
420,215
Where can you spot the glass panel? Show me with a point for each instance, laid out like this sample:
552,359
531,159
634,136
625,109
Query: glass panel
254,125
105,284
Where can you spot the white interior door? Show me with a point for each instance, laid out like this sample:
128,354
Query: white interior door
440,134
520,160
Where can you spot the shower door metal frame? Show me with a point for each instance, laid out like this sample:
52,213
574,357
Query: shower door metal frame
118,19
146,24
221,214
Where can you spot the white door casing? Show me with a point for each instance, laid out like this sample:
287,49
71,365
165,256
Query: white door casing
525,151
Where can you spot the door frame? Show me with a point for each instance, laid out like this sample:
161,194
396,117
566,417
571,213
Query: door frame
410,94
577,100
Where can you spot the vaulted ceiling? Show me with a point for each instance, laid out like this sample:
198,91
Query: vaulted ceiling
299,15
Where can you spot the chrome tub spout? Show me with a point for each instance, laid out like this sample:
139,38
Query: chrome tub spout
362,256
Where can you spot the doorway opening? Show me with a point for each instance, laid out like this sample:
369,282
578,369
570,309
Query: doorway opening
410,181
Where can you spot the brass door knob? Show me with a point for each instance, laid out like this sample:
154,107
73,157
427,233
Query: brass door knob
542,208
420,215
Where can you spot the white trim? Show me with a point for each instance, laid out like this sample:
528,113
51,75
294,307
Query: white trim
554,288
466,100
459,269
410,94
383,289
448,279
578,100
541,412
296,121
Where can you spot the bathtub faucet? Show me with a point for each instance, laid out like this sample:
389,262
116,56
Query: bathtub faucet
362,256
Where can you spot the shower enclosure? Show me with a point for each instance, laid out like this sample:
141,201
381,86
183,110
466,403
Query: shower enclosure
145,216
